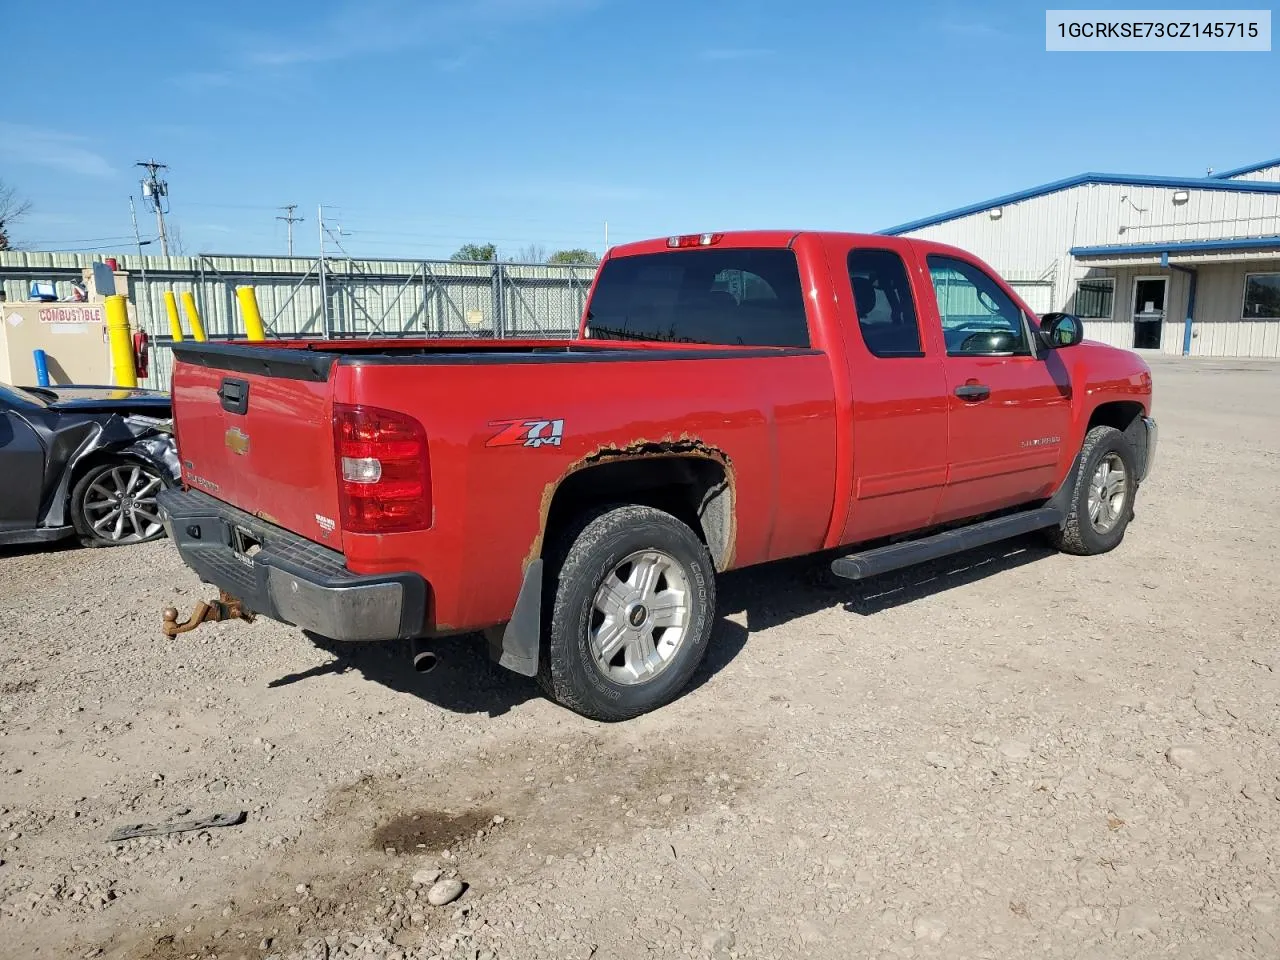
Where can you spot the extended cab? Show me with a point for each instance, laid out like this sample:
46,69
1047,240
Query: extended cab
730,399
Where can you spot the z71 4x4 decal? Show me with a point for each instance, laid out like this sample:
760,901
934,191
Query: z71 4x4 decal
526,433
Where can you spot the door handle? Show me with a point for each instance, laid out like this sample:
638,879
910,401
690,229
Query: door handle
973,392
234,395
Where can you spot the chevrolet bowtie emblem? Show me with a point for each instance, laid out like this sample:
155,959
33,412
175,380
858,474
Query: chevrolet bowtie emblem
237,441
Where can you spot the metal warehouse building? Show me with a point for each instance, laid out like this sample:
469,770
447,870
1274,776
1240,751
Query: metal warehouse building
1189,266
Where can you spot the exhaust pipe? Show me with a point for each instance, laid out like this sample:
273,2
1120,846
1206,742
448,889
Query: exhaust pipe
424,661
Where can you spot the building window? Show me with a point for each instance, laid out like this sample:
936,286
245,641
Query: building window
1095,298
1262,296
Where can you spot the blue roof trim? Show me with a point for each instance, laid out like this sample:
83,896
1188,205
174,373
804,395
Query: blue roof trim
1251,168
1120,179
1178,246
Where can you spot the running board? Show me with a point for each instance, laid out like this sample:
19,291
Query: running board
859,566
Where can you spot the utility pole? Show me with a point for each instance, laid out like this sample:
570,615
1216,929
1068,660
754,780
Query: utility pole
290,220
145,299
156,191
324,287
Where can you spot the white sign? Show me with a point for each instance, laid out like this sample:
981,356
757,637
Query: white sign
86,313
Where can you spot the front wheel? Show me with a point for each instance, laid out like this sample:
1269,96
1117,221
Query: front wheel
631,613
114,504
1104,486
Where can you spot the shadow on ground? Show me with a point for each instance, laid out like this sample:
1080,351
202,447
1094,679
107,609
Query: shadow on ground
466,681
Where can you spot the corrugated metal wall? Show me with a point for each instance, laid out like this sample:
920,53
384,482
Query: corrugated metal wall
1269,174
1031,239
1217,330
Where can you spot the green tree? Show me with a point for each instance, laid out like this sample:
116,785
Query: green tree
579,255
476,252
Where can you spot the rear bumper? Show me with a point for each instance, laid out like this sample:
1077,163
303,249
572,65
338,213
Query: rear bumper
290,578
1153,438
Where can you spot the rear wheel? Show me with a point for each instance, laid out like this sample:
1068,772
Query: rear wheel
630,613
114,504
1103,490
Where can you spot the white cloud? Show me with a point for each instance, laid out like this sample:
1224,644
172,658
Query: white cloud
20,143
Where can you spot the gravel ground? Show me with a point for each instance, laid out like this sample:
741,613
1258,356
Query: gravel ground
1012,754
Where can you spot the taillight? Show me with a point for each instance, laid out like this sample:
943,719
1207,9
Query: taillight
695,240
384,483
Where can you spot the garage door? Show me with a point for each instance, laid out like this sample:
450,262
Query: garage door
1038,295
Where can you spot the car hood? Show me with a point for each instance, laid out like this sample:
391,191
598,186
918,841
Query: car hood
94,397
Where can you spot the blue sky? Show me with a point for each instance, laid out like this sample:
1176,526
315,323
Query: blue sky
421,125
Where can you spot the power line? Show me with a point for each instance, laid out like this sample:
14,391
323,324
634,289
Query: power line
290,220
46,243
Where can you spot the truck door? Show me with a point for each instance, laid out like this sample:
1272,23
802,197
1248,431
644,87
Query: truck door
1009,409
899,391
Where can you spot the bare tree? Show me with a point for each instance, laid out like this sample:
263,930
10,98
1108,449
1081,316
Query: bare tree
533,253
12,209
176,246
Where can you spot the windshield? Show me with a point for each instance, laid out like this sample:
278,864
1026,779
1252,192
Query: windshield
26,395
742,296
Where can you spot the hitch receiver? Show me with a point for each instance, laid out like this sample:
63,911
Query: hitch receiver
226,607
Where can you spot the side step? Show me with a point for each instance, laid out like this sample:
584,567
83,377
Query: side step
859,566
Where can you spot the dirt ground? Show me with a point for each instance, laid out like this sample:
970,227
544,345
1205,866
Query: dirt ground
1012,754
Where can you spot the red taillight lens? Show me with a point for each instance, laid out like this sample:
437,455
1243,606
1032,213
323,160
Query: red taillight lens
694,240
384,483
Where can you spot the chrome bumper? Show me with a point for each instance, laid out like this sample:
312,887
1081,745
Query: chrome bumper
1149,455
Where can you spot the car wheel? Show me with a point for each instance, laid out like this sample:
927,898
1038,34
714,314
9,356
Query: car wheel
114,504
1104,487
630,613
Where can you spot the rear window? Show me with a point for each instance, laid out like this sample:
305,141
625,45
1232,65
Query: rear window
744,296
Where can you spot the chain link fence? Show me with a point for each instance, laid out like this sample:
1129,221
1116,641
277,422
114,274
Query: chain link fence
330,298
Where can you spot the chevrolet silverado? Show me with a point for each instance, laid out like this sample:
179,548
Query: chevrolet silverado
730,399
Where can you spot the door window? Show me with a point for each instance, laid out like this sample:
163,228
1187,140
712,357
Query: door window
883,301
978,318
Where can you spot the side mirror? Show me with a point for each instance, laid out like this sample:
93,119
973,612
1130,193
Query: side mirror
1059,330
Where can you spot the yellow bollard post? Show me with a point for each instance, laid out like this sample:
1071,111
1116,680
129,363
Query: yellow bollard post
123,373
249,310
175,322
193,315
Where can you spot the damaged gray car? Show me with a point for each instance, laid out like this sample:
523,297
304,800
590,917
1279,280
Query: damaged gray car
84,461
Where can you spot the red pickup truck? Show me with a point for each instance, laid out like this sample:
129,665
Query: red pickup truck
731,399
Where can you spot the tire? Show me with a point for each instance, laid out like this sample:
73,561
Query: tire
1097,527
655,568
95,505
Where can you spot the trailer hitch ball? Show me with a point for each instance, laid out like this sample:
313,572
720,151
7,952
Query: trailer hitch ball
226,607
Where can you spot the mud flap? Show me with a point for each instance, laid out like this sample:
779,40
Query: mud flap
518,644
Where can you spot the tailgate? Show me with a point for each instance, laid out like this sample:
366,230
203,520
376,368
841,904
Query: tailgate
255,430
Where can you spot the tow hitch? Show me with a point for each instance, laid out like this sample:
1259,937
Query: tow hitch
226,607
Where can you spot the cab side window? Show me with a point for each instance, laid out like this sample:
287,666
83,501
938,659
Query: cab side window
883,301
978,318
